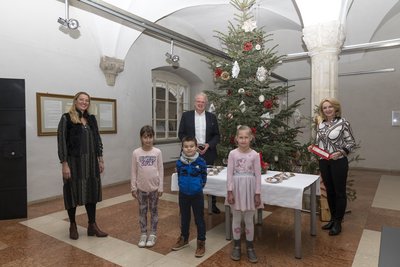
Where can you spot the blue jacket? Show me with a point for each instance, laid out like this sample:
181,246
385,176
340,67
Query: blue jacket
192,177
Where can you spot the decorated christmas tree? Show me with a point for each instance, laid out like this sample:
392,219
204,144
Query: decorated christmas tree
247,95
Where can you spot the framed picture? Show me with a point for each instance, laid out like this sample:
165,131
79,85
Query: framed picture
50,108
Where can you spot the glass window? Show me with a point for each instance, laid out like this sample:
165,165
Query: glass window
169,101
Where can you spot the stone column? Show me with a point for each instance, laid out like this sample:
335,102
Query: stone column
324,42
111,67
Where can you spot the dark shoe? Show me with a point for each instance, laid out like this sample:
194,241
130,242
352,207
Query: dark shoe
336,228
73,231
180,244
236,251
327,226
251,253
94,230
215,209
201,249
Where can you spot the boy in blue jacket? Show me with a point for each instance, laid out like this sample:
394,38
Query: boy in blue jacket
192,177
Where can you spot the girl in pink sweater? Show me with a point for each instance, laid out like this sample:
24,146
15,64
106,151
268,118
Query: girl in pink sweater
244,189
147,183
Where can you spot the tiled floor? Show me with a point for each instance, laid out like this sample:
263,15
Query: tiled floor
42,239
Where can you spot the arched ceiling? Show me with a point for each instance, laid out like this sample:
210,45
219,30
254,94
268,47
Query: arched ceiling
199,19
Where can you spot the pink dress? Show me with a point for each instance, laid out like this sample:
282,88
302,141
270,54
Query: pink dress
244,179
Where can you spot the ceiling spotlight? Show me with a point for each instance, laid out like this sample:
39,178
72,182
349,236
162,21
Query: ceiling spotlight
70,23
173,58
67,22
170,56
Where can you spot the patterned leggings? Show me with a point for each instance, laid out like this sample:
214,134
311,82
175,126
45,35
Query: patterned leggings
148,200
248,221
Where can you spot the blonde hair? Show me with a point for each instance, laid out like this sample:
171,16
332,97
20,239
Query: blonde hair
73,113
336,105
245,128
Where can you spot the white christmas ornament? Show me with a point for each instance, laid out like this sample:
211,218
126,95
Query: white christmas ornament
296,116
242,106
249,25
261,98
266,119
241,91
235,70
261,74
211,108
258,47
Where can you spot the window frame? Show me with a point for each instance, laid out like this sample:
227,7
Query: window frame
172,85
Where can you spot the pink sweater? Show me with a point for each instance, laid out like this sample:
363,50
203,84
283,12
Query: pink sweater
147,170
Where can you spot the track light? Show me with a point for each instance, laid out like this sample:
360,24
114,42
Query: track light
67,22
170,56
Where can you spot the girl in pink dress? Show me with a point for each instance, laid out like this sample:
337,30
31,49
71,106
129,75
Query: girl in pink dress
244,189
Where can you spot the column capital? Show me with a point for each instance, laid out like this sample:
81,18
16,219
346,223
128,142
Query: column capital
111,67
327,37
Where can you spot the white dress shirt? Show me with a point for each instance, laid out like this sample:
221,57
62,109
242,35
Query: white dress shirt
200,127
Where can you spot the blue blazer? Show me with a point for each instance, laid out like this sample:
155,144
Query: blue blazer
187,128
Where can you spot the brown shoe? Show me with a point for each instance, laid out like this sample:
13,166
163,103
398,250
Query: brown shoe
73,231
180,243
94,230
201,248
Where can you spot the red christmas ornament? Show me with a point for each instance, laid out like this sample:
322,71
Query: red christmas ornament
229,92
254,130
247,46
268,104
217,72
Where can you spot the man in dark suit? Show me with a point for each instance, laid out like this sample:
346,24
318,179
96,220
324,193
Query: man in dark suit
203,126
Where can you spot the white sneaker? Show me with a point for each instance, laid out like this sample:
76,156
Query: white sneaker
151,241
142,241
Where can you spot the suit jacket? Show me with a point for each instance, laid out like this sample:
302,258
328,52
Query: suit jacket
187,128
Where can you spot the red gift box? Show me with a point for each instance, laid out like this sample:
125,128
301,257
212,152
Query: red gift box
320,152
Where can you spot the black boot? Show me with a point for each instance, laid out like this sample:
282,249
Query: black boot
327,226
336,228
73,231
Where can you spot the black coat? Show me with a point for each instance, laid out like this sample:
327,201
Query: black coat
187,128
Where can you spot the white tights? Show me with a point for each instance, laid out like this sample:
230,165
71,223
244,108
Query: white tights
248,221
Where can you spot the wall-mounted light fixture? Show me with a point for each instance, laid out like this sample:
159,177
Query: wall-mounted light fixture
171,56
395,117
72,24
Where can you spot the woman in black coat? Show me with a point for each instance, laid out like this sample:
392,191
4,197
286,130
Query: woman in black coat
80,151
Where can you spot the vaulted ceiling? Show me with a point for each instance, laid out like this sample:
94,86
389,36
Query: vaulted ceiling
366,21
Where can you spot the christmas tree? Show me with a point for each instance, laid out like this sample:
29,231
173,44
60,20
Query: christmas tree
245,95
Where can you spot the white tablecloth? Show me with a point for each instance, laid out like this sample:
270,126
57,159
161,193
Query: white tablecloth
288,193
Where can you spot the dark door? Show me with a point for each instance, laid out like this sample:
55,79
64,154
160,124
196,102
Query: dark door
13,198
